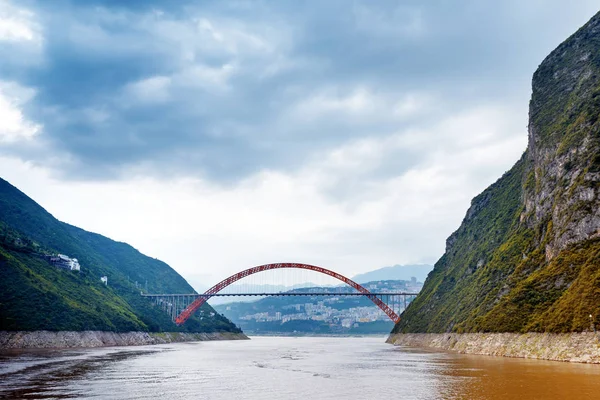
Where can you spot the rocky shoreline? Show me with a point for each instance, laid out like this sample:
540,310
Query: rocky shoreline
570,347
71,339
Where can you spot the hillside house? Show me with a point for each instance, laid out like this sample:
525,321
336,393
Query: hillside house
65,262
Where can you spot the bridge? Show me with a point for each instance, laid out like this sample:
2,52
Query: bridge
182,306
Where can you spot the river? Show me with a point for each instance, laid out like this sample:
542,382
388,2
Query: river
287,368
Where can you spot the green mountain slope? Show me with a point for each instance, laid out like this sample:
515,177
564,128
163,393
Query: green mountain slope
527,254
36,295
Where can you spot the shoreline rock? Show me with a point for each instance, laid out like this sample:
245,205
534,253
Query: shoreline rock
568,347
73,339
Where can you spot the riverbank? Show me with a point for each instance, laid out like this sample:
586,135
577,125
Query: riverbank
316,335
570,347
69,339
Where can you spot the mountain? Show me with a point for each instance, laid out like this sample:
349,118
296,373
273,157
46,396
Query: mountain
397,272
36,295
527,254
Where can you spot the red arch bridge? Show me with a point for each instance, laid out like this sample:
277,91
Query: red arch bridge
182,306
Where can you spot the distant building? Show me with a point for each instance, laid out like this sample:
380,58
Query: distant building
75,265
65,262
104,279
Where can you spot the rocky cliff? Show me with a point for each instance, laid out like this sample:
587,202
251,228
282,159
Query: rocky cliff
527,254
569,347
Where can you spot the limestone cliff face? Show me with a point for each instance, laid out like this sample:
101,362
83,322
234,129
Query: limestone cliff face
527,254
562,187
570,347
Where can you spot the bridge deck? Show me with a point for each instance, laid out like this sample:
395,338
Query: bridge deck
285,294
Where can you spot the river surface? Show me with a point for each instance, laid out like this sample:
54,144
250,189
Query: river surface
287,368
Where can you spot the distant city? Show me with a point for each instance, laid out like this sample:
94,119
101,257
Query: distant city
318,314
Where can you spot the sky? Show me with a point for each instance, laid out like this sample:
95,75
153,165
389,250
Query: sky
220,135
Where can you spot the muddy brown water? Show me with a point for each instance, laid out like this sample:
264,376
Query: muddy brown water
287,368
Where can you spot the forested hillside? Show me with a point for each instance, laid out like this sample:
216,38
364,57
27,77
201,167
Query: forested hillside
36,295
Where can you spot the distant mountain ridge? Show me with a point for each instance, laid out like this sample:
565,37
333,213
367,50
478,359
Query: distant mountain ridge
396,272
35,295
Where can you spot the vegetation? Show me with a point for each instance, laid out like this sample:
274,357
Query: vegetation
519,261
480,255
35,295
495,277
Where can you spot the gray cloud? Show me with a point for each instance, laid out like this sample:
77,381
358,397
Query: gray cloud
225,89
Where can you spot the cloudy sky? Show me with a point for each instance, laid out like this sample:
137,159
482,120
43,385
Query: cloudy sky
218,135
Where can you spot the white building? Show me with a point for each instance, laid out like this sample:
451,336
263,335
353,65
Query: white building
66,262
74,264
104,279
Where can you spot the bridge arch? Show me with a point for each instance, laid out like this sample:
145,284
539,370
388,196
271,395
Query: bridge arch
191,309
